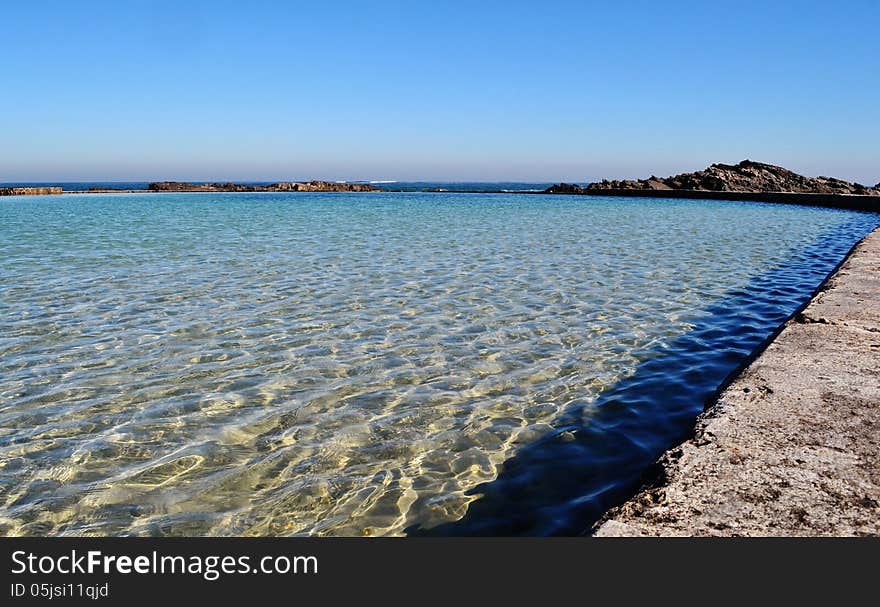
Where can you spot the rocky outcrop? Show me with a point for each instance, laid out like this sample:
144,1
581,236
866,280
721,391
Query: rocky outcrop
565,188
30,191
310,186
747,176
321,186
183,186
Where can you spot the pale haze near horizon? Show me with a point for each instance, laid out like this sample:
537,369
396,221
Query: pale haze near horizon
96,91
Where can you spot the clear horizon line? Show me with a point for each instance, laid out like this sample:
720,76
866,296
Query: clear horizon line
226,180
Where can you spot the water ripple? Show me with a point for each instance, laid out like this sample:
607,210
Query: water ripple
258,364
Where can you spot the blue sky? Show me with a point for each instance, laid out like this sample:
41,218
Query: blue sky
411,90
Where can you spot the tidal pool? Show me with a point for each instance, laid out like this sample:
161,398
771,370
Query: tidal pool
347,364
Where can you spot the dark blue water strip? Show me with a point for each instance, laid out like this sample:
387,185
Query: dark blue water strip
601,452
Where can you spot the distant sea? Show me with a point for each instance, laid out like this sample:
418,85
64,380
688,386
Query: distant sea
391,186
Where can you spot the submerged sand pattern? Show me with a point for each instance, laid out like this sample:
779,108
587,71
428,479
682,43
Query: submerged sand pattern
176,364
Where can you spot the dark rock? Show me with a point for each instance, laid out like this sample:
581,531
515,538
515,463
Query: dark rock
565,188
30,191
311,186
747,176
320,186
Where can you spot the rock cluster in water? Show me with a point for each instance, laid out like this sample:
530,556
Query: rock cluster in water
310,186
747,176
30,191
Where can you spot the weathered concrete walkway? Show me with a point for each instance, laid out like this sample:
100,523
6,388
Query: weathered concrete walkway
792,447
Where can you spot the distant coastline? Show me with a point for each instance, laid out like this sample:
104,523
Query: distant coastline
290,186
745,181
143,187
185,186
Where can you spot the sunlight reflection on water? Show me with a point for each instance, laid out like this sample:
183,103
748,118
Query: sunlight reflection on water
264,364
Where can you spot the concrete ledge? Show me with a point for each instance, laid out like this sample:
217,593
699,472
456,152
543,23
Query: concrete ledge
792,446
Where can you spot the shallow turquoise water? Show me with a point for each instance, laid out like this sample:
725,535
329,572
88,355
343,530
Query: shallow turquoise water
200,364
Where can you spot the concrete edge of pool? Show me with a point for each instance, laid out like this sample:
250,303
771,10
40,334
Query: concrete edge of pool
792,446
